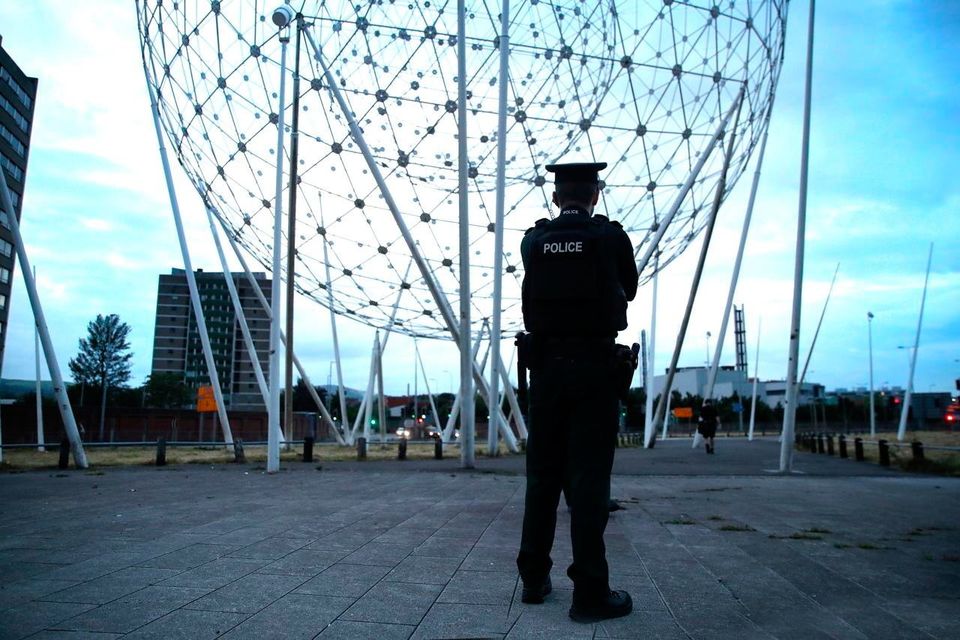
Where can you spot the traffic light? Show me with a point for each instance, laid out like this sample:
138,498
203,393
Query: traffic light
373,422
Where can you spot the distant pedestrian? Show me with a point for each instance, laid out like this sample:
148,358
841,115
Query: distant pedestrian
708,423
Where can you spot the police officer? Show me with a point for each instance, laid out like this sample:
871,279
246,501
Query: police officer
579,276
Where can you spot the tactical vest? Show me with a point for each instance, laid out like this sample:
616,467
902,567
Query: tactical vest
570,287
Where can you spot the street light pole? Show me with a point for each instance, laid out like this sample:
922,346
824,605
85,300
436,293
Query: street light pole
873,415
708,348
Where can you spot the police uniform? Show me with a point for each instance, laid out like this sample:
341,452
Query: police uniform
579,276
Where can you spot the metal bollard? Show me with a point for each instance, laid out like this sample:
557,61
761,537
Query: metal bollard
64,454
308,449
917,447
842,441
402,449
884,451
829,445
161,452
361,448
820,447
858,449
438,449
522,442
238,455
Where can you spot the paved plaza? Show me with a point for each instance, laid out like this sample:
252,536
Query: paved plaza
709,547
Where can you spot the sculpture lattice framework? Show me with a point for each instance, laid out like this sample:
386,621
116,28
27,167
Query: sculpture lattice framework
640,84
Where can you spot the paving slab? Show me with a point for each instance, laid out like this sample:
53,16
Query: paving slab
709,547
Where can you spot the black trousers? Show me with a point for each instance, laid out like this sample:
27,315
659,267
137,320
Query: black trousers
570,445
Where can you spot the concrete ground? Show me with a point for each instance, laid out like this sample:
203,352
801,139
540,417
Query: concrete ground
709,547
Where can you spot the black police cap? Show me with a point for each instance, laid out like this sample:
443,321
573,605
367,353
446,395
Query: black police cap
577,172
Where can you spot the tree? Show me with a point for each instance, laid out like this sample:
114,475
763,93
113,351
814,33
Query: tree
167,391
104,357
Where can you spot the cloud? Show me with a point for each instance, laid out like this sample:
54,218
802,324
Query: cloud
96,224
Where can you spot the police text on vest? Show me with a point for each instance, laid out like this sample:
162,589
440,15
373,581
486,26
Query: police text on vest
563,247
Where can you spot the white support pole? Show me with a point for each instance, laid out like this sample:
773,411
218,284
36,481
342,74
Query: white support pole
448,430
36,353
790,411
368,396
688,184
451,420
341,392
905,411
695,284
238,311
188,266
255,286
383,344
467,413
426,384
273,408
511,396
493,400
666,417
63,402
873,413
756,377
649,430
381,405
446,311
735,276
823,312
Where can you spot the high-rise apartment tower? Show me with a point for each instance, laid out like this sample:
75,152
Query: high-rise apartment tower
17,95
176,341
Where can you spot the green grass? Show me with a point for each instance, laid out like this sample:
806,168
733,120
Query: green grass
679,521
817,530
736,527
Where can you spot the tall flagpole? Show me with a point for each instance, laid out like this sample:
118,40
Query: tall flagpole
63,402
756,378
873,414
790,411
36,353
905,410
649,430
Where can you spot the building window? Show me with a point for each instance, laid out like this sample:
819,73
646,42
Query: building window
6,249
17,89
12,110
4,275
11,168
3,302
18,146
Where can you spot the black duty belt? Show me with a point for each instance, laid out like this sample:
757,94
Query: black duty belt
574,346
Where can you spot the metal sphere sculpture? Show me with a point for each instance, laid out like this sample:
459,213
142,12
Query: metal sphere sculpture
640,84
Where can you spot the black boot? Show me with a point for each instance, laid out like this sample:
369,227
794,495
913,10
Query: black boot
535,593
593,609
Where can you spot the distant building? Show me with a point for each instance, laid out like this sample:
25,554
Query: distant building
775,393
176,341
731,380
17,95
693,380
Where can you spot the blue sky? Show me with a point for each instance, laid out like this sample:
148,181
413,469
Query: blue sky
884,152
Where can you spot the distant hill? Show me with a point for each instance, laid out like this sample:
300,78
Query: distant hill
11,389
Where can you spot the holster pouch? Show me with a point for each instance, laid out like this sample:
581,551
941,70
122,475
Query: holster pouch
625,361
